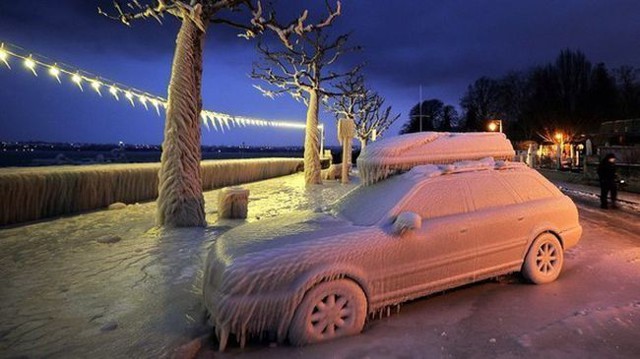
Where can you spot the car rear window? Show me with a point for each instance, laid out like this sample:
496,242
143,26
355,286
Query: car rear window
528,186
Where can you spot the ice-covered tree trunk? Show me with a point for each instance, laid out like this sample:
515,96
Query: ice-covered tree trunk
346,160
363,143
311,142
180,200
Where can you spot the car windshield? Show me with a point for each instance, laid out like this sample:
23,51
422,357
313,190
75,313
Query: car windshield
366,205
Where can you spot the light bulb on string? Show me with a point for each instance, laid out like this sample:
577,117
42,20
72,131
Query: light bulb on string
114,92
129,97
96,86
31,65
4,56
77,79
55,72
32,61
156,104
143,100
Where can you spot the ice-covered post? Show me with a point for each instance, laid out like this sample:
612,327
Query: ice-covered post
346,132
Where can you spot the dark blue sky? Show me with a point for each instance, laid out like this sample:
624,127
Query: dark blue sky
441,45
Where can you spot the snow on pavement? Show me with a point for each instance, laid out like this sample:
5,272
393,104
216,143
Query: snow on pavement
111,284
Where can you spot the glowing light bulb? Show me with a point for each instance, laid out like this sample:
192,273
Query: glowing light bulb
114,91
55,72
156,104
96,86
4,57
143,100
31,65
129,97
77,79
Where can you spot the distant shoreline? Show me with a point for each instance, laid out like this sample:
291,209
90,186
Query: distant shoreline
27,154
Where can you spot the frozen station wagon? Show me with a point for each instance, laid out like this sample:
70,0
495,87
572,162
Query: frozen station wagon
314,276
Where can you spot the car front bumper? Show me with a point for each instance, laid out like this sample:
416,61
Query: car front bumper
258,315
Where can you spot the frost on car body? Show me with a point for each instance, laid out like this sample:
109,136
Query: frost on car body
310,277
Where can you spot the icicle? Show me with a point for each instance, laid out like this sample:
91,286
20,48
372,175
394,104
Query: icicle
223,337
220,123
203,115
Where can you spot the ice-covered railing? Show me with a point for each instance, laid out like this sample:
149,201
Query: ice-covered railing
398,154
32,193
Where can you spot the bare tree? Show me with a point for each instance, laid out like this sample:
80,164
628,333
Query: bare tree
301,70
180,200
365,107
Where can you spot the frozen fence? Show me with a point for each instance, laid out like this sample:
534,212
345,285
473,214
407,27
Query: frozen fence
28,194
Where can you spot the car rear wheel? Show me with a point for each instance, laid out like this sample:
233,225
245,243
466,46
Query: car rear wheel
329,310
544,260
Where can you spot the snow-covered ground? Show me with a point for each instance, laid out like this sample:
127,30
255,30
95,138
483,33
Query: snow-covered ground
110,284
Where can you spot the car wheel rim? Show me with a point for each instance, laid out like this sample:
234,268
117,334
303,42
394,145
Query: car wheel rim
332,315
547,258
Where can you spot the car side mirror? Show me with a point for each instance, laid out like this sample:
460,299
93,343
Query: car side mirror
406,221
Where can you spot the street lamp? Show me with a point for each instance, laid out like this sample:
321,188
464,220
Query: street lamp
495,125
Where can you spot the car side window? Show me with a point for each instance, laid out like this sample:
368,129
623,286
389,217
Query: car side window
527,186
489,191
438,199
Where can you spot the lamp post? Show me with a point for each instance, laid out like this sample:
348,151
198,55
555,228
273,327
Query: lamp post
495,125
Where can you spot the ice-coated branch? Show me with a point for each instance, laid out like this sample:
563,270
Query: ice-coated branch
376,117
366,107
139,11
353,90
200,12
297,26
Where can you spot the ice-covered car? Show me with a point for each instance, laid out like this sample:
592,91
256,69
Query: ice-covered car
314,276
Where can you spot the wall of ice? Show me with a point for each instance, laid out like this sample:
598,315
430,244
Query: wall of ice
33,193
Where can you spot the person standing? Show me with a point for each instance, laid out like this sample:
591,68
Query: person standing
607,176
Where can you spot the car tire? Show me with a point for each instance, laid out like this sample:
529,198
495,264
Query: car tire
544,260
329,310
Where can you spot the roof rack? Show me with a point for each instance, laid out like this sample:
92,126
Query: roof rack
386,157
485,164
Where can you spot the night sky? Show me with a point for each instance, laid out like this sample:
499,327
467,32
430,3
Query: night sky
441,45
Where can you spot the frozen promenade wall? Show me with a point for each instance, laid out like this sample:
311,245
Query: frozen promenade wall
33,193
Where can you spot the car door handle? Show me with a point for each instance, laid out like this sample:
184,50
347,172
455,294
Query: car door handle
463,230
520,219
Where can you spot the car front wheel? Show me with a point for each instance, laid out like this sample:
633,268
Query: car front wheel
544,260
329,310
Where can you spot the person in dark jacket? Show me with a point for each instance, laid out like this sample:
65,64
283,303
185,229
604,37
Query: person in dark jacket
607,176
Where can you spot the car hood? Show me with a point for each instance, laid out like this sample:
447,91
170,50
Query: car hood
294,231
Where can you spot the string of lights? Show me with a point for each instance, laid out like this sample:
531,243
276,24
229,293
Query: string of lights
37,64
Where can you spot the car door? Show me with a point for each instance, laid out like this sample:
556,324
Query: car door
496,222
440,252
